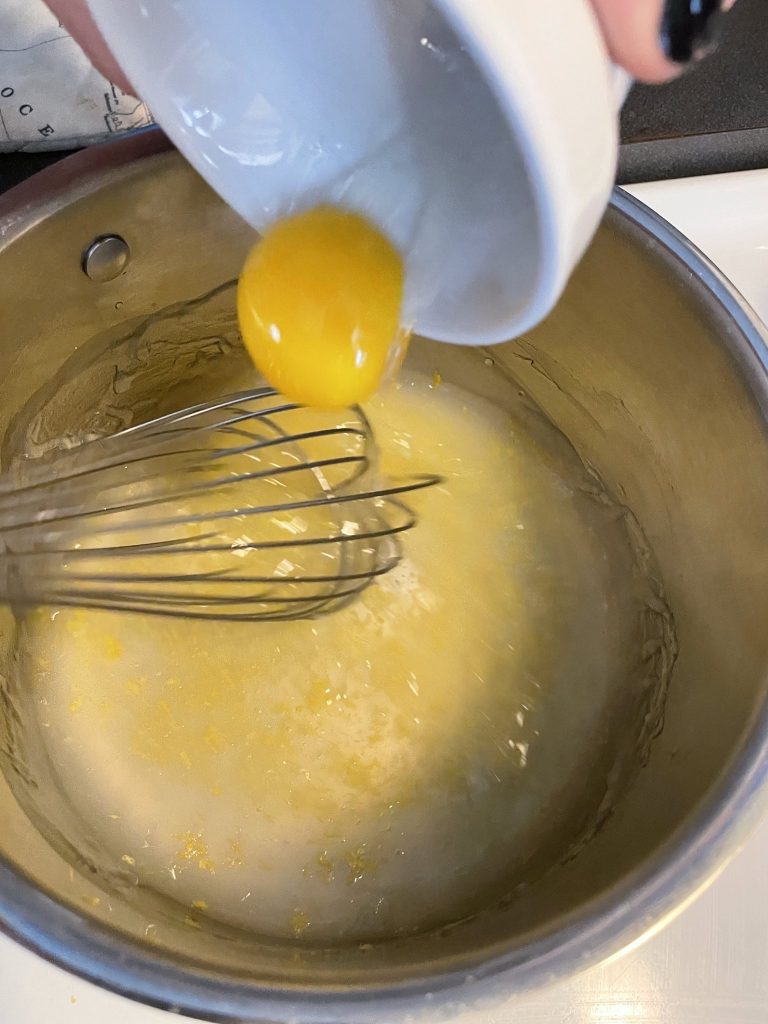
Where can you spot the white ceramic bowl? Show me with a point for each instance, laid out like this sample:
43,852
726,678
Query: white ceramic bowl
479,134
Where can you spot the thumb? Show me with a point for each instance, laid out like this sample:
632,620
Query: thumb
77,20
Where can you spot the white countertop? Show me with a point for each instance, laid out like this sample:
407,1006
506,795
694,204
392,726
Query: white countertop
710,966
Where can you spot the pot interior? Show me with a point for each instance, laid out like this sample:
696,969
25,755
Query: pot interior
640,382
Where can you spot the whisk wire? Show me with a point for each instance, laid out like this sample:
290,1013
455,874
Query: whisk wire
153,519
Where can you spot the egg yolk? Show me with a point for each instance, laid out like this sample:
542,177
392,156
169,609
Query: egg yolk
319,306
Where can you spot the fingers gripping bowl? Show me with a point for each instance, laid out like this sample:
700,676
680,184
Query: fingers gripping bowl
650,370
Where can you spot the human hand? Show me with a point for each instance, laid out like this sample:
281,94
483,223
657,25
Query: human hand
652,39
655,39
76,19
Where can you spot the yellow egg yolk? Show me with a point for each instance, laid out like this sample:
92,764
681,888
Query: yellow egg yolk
319,306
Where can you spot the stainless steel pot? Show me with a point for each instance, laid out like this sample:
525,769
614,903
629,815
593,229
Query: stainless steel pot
656,371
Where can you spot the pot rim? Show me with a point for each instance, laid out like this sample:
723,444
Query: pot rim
641,904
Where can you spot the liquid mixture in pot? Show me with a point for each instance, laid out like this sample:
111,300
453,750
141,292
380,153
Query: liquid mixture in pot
446,737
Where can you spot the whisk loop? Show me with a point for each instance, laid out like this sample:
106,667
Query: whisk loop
247,508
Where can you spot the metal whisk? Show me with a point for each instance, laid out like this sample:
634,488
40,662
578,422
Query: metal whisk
246,508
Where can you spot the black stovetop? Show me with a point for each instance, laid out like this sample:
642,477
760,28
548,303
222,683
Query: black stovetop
714,118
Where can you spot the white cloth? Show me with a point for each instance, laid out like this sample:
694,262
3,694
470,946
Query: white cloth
50,95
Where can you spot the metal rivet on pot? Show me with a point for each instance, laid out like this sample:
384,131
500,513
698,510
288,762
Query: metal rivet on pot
106,258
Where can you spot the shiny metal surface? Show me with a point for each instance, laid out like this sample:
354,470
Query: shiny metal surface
654,369
106,258
706,967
